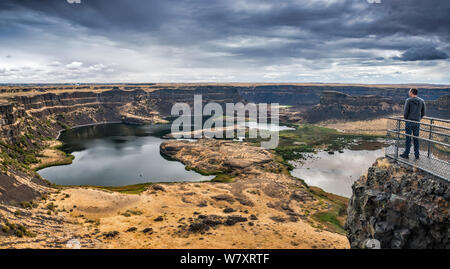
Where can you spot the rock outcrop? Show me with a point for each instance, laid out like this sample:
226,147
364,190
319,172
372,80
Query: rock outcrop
223,156
400,207
439,108
245,166
341,106
309,95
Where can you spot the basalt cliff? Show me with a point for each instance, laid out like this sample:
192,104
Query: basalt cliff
401,207
67,109
30,122
337,105
340,106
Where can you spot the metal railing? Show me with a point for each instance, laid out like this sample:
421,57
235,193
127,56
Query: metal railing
434,147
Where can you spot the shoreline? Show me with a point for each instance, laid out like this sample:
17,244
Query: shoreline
85,125
68,158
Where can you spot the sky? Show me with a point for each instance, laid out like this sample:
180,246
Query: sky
328,41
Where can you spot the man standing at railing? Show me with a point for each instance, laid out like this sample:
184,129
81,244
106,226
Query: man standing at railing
414,112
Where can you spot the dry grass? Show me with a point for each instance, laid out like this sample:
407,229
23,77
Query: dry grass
368,127
105,210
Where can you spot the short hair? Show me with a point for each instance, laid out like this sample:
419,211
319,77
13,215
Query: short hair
414,91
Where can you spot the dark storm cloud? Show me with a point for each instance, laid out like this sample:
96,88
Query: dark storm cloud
203,20
216,18
254,31
423,54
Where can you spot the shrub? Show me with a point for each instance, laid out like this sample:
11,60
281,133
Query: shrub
27,205
5,228
51,206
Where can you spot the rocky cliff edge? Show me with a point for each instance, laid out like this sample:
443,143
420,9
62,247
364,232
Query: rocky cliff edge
399,206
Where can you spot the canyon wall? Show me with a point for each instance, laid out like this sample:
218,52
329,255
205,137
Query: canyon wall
303,95
439,108
401,207
69,109
136,105
29,122
341,106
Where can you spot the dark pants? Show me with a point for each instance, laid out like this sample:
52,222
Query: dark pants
414,129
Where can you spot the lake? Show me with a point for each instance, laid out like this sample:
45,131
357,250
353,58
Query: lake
336,173
117,155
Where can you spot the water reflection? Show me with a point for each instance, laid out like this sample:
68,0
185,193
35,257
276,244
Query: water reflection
265,127
336,173
117,155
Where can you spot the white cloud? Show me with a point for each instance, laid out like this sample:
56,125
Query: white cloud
74,65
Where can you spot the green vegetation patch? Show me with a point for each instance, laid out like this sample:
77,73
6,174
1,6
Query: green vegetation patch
308,138
334,218
329,219
223,178
18,230
131,189
65,161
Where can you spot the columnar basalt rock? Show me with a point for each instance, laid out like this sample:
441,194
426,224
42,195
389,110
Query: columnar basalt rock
401,207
